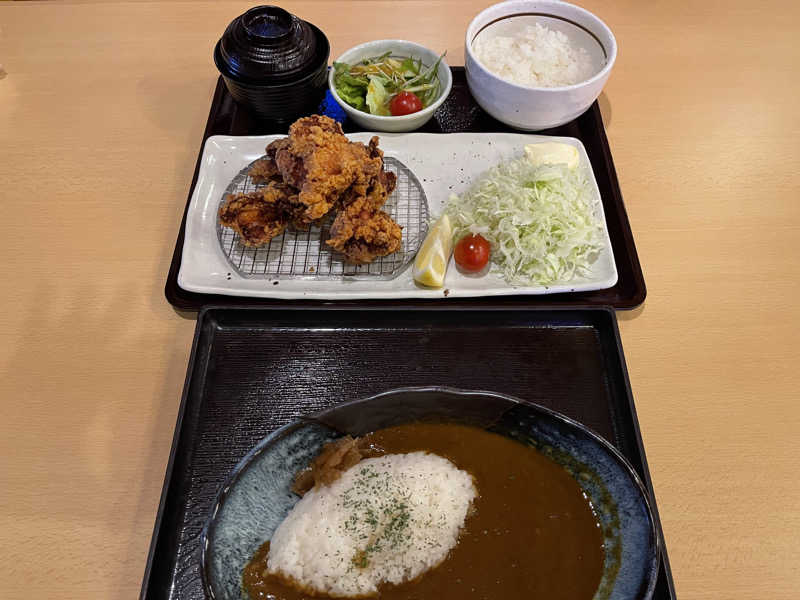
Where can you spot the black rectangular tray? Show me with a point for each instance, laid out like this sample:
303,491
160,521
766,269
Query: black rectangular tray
458,113
253,370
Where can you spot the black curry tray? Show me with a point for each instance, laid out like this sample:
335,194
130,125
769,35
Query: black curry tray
253,370
459,113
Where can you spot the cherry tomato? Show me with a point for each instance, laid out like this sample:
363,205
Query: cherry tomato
405,103
472,252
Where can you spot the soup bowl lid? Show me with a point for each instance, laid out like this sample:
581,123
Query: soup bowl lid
267,43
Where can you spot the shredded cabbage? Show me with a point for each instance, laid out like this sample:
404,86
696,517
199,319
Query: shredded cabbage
540,221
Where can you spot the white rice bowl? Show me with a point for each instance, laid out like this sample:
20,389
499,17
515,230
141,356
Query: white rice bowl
385,520
538,57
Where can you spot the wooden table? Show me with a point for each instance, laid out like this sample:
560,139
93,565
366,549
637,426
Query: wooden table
101,113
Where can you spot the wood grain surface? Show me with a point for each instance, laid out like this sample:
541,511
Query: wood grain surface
102,107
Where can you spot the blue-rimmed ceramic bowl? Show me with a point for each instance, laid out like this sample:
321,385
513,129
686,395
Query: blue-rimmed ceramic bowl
257,496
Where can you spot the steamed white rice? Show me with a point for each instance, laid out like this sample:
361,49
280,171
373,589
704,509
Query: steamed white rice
385,520
539,57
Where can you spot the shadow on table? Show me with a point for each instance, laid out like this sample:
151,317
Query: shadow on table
630,315
605,109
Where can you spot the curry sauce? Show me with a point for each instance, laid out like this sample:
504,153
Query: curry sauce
531,533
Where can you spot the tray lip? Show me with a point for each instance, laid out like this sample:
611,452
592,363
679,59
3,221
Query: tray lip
176,436
206,313
196,258
181,299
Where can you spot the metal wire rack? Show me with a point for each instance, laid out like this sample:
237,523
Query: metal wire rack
304,254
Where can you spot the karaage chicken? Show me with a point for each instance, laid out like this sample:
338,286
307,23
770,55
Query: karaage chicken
362,234
314,171
258,216
264,171
323,164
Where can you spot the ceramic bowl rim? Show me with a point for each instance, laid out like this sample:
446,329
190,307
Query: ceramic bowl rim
428,110
237,471
611,57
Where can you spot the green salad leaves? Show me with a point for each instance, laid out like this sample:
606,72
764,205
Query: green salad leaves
371,84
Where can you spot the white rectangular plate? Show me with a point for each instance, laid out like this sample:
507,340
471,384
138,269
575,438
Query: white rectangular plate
443,163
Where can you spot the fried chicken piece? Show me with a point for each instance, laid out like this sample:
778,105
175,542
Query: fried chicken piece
389,181
275,145
257,216
265,170
376,236
375,195
295,211
264,214
386,182
375,189
362,233
323,164
313,171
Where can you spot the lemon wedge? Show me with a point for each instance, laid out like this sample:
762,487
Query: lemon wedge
430,264
552,153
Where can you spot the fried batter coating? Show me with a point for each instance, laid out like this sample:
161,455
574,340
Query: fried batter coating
257,216
309,174
362,233
323,164
265,170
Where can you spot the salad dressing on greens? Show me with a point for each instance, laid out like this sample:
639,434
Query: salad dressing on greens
371,84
